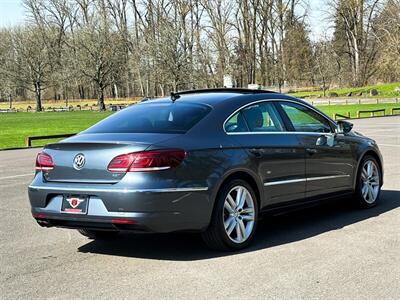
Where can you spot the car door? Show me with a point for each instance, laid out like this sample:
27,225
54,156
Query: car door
275,153
329,159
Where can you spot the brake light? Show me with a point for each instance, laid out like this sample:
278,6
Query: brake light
146,161
44,162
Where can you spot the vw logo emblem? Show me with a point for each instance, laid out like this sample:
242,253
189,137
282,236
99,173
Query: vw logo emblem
79,161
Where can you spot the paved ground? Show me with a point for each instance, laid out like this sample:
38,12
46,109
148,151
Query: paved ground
330,252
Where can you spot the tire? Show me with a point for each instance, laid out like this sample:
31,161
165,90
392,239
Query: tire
368,185
241,222
98,234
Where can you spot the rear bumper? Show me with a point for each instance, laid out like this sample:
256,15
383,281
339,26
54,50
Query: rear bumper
116,208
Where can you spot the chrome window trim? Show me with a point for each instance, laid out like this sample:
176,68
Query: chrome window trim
271,183
94,190
276,132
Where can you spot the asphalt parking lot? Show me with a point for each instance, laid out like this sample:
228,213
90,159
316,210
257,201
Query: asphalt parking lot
329,252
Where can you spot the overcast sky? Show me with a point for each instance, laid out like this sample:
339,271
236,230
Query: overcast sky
12,13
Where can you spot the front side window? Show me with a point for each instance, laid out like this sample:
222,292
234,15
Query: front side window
304,119
260,117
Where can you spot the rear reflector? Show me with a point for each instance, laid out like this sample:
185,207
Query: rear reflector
44,162
123,221
146,161
39,216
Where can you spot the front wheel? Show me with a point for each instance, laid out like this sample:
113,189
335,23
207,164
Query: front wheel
368,183
234,219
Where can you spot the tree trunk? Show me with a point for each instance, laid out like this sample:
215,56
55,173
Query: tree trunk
116,91
38,96
81,91
100,99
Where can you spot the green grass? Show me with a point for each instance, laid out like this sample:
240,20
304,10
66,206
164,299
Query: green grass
14,127
384,90
353,108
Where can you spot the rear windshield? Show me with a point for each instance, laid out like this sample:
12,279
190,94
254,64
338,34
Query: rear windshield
170,117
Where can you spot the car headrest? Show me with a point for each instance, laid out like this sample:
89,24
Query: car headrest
254,117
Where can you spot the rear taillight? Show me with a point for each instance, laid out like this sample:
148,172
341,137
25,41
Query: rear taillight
44,162
146,161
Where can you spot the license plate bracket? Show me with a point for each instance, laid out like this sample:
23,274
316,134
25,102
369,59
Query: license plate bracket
74,204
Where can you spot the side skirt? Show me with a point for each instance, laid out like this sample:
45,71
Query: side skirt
290,206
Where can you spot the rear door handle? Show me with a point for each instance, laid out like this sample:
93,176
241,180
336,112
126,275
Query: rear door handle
256,152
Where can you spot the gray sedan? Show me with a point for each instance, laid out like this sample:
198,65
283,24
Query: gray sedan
210,161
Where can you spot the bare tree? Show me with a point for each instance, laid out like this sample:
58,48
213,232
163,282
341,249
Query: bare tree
356,19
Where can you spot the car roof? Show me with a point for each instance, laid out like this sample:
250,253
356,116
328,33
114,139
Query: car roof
216,96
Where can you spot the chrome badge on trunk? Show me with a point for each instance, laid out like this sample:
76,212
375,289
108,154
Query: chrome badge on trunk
79,161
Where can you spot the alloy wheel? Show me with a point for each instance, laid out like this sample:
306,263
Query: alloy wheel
239,214
370,182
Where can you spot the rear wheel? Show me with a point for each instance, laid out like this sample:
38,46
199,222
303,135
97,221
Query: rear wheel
368,182
98,234
234,219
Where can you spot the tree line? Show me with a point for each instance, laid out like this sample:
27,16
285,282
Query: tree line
70,49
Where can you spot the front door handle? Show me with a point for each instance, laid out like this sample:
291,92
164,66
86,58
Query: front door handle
311,151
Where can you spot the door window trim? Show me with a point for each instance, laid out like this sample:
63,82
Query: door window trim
331,122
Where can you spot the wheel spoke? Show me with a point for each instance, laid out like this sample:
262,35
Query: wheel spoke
375,191
231,226
375,178
364,174
369,169
228,221
238,232
228,207
242,228
370,194
239,196
247,217
364,191
232,202
242,199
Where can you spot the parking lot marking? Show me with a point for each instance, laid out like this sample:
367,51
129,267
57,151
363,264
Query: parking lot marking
388,145
16,176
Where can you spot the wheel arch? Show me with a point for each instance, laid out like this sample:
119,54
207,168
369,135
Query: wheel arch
245,175
374,154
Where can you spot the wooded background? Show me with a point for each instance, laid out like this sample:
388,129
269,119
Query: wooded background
77,49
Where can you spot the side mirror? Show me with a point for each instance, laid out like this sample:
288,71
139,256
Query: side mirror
344,127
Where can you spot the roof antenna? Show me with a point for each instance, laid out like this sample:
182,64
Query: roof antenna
174,96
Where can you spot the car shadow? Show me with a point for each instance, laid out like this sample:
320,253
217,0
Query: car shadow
272,231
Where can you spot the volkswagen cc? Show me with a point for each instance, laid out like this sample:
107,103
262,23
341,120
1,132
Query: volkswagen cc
210,161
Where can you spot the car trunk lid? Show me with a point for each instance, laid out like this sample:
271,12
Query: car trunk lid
84,158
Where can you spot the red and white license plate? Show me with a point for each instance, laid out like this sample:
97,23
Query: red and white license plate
74,205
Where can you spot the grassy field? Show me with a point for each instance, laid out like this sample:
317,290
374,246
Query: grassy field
16,126
352,109
384,90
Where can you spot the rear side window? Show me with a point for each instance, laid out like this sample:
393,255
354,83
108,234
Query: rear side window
260,117
170,117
